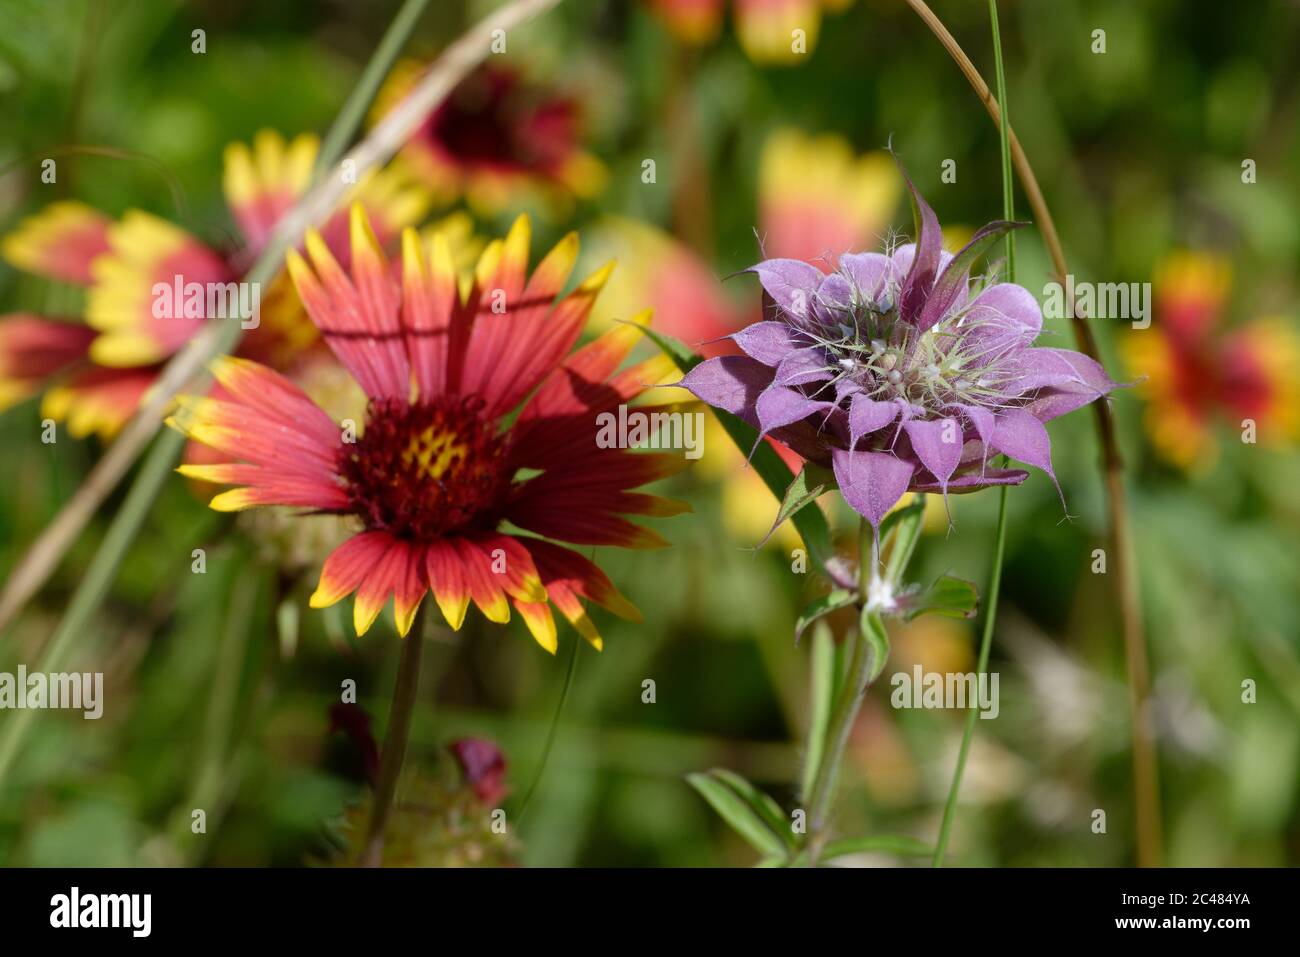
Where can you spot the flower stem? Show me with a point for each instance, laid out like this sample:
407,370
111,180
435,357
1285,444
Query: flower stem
845,712
1000,536
395,738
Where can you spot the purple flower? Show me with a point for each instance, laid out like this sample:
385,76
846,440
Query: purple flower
900,372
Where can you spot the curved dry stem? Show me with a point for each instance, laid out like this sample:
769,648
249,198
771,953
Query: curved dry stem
1145,779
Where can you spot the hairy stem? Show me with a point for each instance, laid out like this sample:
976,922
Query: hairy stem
845,713
1119,525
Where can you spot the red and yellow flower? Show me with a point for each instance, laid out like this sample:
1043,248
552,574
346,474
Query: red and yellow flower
478,416
765,28
95,374
496,136
1192,372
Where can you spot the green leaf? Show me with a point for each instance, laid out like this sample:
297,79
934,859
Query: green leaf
873,629
884,843
673,347
807,486
954,277
839,598
762,804
736,812
810,522
822,697
905,526
950,597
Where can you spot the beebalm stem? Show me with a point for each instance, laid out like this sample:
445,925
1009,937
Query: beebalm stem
846,707
394,753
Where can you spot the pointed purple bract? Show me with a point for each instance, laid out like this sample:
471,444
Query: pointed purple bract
871,482
792,284
938,444
768,342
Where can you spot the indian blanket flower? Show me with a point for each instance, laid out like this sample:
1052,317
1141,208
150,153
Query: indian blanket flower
766,28
95,373
899,373
478,415
496,135
1192,371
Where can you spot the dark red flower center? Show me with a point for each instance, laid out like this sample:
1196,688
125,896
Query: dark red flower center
493,120
420,471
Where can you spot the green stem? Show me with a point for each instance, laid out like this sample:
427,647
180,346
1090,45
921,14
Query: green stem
358,101
395,738
1004,134
845,713
1000,536
206,790
986,642
550,732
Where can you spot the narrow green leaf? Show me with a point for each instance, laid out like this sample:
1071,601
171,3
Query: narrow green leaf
810,522
762,804
881,843
743,819
806,488
953,280
839,598
822,696
682,354
950,597
873,629
905,526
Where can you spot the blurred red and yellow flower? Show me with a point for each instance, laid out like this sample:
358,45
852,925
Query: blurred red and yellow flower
496,136
443,460
1192,372
765,28
95,374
